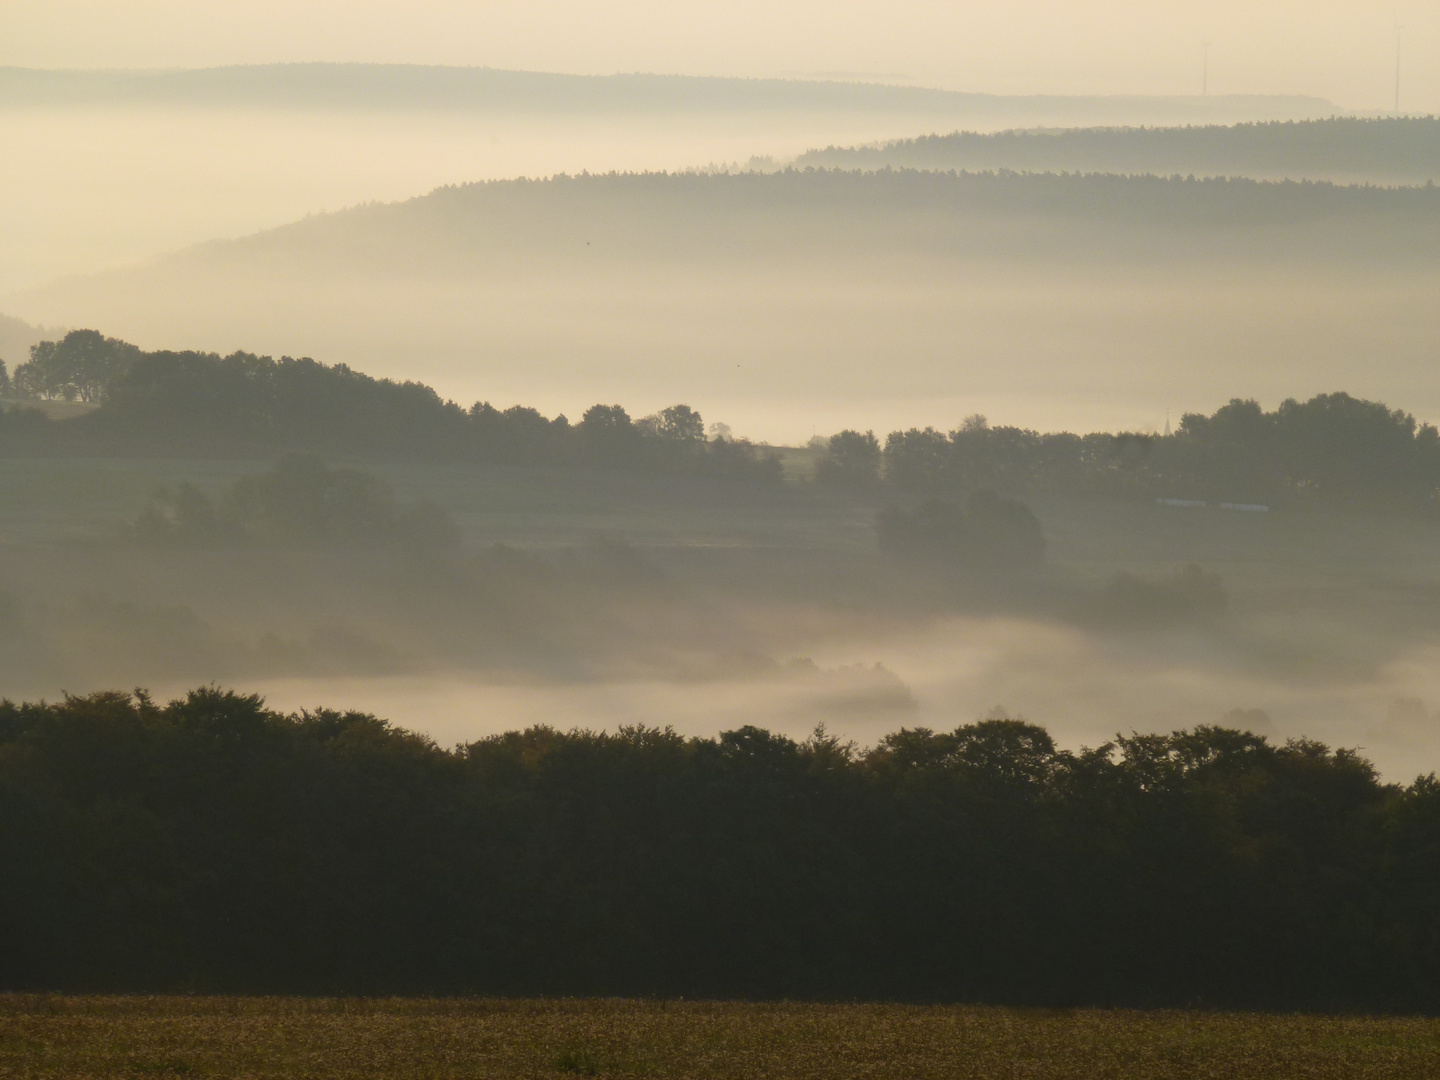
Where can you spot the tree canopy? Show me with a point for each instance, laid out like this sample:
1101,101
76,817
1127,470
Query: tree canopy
80,367
213,844
1334,451
202,403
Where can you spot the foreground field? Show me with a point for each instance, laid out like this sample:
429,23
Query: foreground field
46,1036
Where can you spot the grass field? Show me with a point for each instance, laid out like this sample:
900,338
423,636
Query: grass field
46,1036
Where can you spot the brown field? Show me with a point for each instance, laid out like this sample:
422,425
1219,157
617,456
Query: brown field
52,1036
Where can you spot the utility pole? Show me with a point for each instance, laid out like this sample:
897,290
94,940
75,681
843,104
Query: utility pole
1205,69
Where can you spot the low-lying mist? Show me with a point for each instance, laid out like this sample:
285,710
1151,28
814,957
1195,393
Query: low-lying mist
738,606
799,302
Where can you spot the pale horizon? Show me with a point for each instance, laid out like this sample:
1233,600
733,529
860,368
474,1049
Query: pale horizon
1342,51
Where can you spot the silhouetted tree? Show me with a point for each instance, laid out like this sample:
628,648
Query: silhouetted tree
917,460
681,424
81,365
851,460
608,436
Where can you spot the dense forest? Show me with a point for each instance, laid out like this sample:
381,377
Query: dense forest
1332,451
201,403
1394,149
212,844
650,212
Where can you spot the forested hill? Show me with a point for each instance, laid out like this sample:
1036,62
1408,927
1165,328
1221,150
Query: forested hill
194,403
1394,150
806,213
1333,450
816,291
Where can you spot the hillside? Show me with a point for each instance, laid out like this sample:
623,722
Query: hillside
821,299
806,213
16,337
193,155
1391,150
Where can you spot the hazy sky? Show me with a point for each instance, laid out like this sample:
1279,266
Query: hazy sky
1340,49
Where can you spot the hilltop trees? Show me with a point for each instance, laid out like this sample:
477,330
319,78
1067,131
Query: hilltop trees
1399,149
1333,451
191,402
678,424
81,366
852,460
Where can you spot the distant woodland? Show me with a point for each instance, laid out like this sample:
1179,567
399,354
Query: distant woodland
1331,451
210,844
200,403
1391,149
830,206
1128,290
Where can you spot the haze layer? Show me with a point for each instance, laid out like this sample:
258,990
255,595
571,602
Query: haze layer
793,302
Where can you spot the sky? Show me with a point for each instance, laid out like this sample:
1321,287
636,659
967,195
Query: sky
1339,49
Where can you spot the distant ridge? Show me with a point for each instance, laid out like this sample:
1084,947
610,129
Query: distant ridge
16,337
1391,149
415,87
698,215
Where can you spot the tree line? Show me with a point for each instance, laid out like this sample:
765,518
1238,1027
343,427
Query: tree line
1390,147
203,403
211,844
1334,450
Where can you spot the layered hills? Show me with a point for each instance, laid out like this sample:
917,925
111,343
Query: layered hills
835,297
1391,150
470,89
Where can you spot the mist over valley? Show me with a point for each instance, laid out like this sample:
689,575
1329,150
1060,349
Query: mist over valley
797,302
322,536
913,507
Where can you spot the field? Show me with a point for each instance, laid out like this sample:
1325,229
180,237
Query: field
44,1036
1330,629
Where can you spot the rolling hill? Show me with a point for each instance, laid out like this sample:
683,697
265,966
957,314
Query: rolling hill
817,299
1394,150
